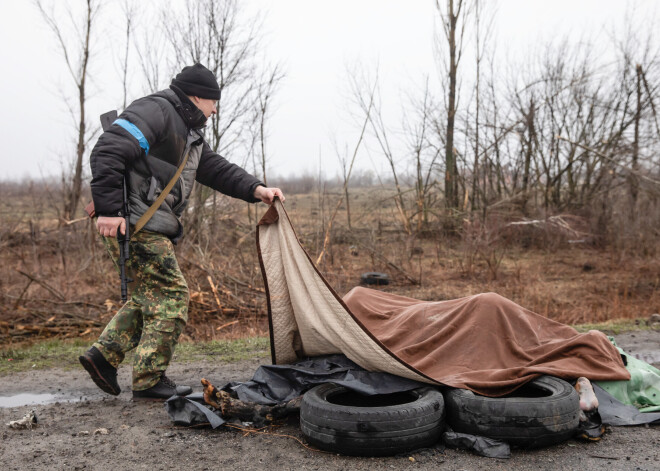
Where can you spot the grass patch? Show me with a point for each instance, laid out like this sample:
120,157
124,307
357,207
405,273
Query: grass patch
615,326
42,355
223,350
64,353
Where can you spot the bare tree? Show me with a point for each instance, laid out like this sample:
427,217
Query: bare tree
219,35
367,118
262,109
483,28
76,54
129,8
366,94
454,19
346,167
634,186
152,50
424,155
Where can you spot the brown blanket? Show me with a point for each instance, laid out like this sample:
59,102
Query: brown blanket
485,342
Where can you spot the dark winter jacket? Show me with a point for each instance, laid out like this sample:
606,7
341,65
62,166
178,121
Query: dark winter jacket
147,143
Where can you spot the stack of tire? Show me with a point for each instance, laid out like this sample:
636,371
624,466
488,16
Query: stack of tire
543,412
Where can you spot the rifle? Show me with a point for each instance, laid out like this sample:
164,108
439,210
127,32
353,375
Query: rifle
122,240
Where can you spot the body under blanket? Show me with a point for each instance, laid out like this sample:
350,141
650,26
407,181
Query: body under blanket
484,342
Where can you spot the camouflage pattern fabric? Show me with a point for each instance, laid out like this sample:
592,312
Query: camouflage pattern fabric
154,315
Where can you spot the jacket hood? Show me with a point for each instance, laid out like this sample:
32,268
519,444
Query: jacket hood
191,115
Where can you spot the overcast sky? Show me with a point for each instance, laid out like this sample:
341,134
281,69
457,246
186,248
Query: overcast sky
314,40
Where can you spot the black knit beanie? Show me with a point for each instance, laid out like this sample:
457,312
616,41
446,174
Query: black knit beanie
197,80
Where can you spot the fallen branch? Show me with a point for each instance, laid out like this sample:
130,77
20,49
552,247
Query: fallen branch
557,221
68,315
59,303
68,223
248,431
43,284
258,414
215,292
18,301
603,457
226,325
236,281
244,237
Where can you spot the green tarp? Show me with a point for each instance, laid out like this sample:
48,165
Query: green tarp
643,388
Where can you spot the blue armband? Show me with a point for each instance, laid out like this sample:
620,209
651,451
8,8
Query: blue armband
135,132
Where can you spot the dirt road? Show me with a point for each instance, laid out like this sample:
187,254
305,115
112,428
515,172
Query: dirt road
141,436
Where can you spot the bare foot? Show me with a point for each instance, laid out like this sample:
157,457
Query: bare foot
588,399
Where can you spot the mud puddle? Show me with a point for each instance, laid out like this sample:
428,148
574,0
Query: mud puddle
27,399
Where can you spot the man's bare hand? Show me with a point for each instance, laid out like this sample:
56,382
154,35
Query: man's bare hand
267,195
107,226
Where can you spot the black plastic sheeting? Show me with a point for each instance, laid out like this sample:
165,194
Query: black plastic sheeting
190,410
484,446
273,384
614,412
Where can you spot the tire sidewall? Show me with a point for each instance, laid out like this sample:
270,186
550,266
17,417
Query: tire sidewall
521,421
371,431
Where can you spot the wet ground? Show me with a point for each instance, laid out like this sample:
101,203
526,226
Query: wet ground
82,428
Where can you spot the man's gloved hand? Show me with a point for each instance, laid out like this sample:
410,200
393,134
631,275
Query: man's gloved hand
107,225
267,195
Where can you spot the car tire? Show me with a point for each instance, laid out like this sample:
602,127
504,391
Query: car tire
375,278
543,412
334,418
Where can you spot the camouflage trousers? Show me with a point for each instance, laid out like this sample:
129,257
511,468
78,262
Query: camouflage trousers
156,312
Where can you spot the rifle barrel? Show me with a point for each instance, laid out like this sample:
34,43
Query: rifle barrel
124,243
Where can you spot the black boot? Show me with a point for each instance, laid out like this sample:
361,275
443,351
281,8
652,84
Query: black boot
102,372
163,389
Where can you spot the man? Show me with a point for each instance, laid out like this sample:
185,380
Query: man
145,148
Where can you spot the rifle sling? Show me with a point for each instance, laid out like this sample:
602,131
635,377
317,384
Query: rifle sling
166,191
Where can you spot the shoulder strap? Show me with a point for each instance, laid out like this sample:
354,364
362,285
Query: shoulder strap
166,191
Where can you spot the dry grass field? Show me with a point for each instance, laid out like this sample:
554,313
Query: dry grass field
57,281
